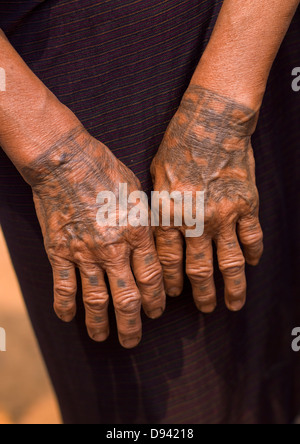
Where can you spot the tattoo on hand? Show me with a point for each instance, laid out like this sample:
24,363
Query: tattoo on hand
66,181
207,147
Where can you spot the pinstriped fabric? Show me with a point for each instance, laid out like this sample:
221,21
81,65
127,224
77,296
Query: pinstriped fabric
106,69
122,66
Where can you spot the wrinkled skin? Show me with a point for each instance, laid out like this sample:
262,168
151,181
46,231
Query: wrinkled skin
207,147
66,181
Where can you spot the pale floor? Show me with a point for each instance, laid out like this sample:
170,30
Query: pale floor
26,395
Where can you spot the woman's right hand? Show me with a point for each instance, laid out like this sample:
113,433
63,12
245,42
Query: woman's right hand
67,169
66,180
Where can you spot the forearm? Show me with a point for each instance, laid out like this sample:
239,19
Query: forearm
243,47
30,115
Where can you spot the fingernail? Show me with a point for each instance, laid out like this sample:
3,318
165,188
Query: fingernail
236,306
100,337
131,343
206,309
174,292
67,317
156,313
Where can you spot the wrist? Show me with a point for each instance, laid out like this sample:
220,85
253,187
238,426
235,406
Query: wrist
231,82
58,137
58,158
213,112
31,117
27,135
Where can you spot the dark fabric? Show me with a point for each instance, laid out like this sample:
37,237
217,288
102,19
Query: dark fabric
122,66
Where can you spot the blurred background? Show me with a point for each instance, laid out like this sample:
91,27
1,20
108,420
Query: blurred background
26,394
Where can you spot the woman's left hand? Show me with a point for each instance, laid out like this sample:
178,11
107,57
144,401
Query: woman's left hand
207,147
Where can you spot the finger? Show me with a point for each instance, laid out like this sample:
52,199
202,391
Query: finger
232,266
251,236
96,300
65,289
169,245
127,303
200,270
149,278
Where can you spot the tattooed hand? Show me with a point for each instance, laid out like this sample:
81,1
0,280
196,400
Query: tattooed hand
207,147
66,181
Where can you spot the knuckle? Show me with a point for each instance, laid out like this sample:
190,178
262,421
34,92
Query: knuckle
232,269
199,275
170,260
253,239
57,250
128,305
151,276
96,304
64,291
